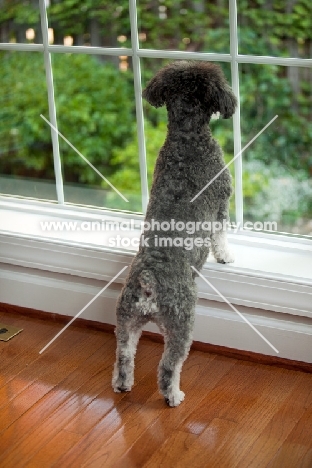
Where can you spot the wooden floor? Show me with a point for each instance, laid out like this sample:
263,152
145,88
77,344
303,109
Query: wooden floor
58,409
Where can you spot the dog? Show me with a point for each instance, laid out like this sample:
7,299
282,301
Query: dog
161,285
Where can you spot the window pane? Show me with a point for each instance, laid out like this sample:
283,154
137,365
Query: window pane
156,125
96,112
275,27
85,23
278,164
20,21
26,158
196,26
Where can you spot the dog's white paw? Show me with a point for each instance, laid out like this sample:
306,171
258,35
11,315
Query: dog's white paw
175,398
119,385
118,388
227,257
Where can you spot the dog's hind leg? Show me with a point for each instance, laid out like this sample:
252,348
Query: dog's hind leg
132,315
127,335
178,339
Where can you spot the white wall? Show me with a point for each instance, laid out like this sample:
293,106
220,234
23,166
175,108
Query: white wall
215,322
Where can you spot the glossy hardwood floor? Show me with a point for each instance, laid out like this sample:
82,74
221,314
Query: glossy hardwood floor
58,409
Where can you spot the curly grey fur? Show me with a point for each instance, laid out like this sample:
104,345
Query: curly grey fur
161,286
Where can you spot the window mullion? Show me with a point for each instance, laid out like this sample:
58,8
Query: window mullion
138,102
236,118
51,102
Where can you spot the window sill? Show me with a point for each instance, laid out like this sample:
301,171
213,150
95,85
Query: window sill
270,271
270,280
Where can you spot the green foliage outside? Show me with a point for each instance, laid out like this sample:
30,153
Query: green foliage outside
125,160
96,108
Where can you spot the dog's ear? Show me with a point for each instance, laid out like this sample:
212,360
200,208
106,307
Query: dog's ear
223,100
214,89
155,91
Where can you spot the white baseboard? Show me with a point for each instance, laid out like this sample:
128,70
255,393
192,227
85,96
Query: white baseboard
215,322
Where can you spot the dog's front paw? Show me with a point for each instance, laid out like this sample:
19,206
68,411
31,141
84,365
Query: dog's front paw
175,398
226,257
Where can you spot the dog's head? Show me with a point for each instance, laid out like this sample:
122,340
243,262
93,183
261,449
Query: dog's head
194,83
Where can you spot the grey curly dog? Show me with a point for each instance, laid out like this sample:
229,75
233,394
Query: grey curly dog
161,284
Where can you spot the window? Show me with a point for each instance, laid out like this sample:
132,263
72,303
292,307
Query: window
82,65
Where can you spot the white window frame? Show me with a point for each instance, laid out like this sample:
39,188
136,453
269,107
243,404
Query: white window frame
287,294
136,53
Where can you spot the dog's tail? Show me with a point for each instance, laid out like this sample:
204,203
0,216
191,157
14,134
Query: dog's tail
147,303
148,284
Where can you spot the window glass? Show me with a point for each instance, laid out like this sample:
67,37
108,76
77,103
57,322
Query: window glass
20,21
95,101
275,27
89,23
26,157
95,107
278,164
197,26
